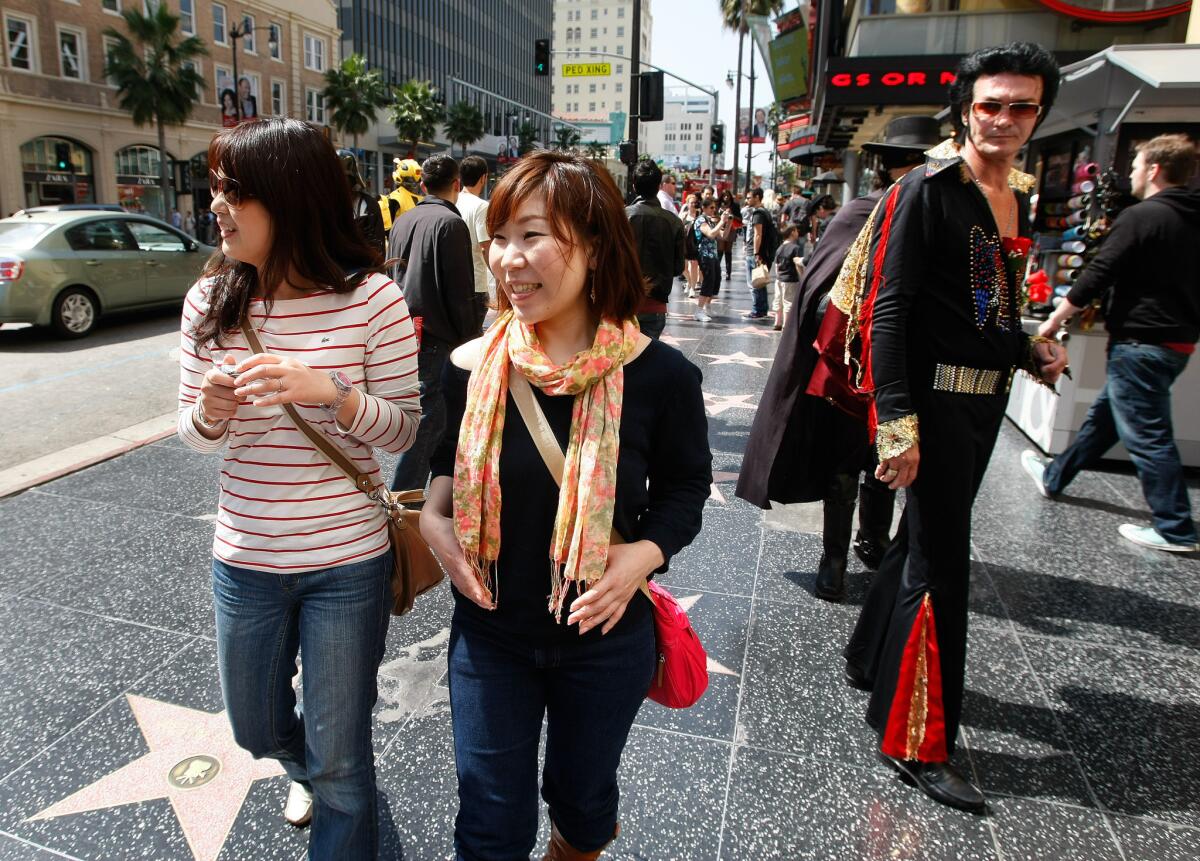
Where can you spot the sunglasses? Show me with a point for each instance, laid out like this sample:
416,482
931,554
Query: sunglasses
227,187
1016,110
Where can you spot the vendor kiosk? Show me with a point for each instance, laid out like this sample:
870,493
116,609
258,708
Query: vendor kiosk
1106,105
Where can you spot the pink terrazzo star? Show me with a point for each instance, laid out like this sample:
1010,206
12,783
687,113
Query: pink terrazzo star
674,340
717,404
207,808
738,358
761,331
713,666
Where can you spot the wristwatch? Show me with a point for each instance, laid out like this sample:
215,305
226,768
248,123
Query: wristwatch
342,383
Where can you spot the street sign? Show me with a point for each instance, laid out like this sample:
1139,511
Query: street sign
586,70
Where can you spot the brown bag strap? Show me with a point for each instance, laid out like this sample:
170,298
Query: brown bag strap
361,480
546,442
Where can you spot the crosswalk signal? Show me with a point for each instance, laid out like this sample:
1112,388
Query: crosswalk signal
541,57
716,139
62,156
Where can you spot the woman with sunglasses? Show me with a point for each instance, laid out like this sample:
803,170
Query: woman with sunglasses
301,557
629,413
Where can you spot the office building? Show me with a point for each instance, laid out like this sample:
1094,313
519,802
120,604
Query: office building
680,141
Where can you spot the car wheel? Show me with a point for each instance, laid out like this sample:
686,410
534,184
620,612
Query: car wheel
75,313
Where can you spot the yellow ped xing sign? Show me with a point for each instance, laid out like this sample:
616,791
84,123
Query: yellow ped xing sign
586,70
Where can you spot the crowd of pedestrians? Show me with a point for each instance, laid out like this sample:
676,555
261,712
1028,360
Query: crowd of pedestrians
365,325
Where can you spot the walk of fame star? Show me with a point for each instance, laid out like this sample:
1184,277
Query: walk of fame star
193,762
713,666
738,358
715,492
751,330
674,340
716,404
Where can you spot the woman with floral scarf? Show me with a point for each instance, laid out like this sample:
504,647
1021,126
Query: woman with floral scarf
548,619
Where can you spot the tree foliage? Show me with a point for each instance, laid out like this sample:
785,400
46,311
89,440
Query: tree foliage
596,150
354,96
154,70
415,111
566,138
464,124
526,137
734,13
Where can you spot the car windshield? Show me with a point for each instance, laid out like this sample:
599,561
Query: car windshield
22,234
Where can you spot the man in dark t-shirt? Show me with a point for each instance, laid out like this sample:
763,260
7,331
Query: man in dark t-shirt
758,250
793,210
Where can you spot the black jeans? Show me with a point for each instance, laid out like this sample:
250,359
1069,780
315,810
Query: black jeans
412,469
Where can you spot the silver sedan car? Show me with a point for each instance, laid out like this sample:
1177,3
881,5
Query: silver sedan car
64,268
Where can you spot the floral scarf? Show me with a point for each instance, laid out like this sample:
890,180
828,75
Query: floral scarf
587,497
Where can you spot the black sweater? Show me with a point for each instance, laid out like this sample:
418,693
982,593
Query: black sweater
664,476
1148,270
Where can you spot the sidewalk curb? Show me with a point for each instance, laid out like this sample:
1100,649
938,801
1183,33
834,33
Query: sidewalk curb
51,466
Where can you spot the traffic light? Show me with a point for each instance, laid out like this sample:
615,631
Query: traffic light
62,156
716,139
650,96
627,151
541,57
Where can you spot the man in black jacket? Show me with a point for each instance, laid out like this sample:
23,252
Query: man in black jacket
659,238
1148,271
433,246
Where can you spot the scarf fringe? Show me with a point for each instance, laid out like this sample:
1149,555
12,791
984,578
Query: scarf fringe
560,587
484,571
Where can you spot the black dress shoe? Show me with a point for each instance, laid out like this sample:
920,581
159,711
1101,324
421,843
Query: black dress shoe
855,678
831,579
869,551
941,781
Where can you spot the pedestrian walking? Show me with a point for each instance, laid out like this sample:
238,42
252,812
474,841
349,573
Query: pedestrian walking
710,231
658,238
630,414
788,267
728,203
1148,273
932,300
691,253
176,219
289,269
189,224
666,194
761,241
473,175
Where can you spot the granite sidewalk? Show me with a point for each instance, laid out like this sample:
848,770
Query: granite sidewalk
1082,713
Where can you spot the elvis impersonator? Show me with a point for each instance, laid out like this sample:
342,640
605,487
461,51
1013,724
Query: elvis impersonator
923,335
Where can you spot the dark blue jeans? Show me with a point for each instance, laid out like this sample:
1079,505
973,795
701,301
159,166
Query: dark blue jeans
500,688
338,619
758,295
412,469
1134,407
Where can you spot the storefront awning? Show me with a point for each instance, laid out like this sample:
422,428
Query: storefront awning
1125,78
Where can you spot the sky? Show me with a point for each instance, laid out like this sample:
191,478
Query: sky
688,40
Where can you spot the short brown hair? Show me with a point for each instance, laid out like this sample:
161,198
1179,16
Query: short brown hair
1175,156
582,204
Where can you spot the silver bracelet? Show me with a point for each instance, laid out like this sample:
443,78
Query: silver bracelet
211,424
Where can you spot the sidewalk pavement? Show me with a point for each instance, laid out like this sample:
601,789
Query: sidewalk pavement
1080,721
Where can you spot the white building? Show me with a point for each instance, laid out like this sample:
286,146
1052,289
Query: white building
680,141
584,31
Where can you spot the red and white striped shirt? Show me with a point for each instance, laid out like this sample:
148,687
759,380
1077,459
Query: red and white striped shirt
283,507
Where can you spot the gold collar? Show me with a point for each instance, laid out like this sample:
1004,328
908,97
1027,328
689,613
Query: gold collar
949,153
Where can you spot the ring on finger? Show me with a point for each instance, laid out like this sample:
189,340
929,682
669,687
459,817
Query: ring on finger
279,384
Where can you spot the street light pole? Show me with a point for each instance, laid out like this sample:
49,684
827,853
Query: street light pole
635,107
737,110
235,33
750,109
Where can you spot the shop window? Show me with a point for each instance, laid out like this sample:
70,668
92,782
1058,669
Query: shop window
315,103
187,16
218,13
314,53
278,102
106,235
275,41
113,6
70,54
19,42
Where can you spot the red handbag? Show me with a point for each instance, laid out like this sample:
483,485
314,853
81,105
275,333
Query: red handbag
681,673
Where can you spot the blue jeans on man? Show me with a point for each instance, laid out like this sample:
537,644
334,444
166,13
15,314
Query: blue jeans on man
338,617
412,468
1134,408
501,687
758,295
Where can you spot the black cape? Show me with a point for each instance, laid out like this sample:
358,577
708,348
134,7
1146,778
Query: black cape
786,460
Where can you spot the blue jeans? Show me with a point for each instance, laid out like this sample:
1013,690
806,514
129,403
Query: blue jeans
338,618
652,325
412,469
500,687
758,295
1134,407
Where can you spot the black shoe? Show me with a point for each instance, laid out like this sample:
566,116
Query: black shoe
831,579
869,551
941,781
855,678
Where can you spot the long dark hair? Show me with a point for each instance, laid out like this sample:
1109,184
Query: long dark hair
291,169
583,204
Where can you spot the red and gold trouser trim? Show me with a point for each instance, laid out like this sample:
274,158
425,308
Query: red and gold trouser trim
916,725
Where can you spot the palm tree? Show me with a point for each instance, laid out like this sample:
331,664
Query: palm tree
155,74
415,111
464,125
734,15
526,135
354,96
597,150
566,138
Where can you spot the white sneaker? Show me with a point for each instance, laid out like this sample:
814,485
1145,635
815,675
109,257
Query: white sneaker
1147,536
1036,468
702,317
298,810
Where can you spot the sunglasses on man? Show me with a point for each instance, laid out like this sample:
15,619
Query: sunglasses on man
1017,110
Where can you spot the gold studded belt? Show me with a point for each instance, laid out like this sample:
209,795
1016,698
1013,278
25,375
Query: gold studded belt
970,381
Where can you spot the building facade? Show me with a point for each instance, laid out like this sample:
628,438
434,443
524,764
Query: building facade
63,137
680,141
588,87
487,46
